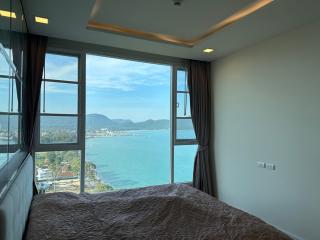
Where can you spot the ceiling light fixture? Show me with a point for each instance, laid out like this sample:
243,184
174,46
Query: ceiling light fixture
7,14
177,3
208,50
42,20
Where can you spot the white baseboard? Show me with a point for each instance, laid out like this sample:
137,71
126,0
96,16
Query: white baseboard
295,237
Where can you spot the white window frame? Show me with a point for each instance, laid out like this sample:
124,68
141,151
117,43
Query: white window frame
12,75
80,145
174,118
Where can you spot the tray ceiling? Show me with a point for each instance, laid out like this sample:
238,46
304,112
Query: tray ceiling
69,20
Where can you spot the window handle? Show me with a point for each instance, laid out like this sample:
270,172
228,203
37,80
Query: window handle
44,89
11,83
185,96
185,104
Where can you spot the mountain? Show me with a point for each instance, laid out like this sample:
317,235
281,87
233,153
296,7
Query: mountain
98,121
153,124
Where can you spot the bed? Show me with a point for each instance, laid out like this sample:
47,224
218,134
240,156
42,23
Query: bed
175,211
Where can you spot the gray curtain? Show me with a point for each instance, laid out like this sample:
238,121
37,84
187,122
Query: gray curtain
36,51
199,87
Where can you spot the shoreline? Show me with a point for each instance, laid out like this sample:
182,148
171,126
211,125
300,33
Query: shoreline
114,133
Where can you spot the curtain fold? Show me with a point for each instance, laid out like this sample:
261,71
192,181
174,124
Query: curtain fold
36,50
200,105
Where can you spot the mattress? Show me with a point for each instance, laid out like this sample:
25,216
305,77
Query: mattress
174,211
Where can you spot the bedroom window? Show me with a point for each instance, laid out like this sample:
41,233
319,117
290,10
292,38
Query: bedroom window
184,145
138,130
58,144
10,110
127,123
59,112
58,171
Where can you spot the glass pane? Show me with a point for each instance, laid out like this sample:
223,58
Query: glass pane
3,158
4,94
183,105
14,129
3,129
4,67
183,162
60,67
182,84
57,95
127,126
58,129
185,129
10,136
58,171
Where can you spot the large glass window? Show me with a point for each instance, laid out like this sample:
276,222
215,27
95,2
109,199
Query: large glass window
127,123
138,129
58,171
184,143
59,105
58,156
10,109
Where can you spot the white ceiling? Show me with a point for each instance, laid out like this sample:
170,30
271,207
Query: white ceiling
68,20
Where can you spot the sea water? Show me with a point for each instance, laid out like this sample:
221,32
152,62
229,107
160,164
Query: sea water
139,158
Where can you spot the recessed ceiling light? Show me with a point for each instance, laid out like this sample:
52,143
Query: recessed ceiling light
7,14
208,50
42,20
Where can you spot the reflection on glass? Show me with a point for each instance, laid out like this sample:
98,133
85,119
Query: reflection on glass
60,67
185,129
3,159
57,95
58,171
14,129
183,162
4,94
4,67
58,129
6,90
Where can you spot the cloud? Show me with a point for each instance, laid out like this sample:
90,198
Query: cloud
106,73
61,67
64,88
124,75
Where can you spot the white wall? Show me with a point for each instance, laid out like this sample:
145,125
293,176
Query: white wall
267,108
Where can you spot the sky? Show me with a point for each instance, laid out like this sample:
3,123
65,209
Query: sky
116,88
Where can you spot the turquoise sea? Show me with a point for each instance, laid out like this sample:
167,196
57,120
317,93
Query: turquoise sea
141,158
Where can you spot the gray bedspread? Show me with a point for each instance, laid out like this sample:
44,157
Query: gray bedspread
159,212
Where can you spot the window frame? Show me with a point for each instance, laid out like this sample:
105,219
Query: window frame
175,64
173,118
80,144
11,77
44,147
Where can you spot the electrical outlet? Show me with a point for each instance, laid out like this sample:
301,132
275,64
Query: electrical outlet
261,164
270,166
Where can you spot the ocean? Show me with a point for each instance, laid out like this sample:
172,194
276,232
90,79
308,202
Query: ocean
141,158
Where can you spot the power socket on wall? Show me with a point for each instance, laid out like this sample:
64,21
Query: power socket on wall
269,166
261,164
